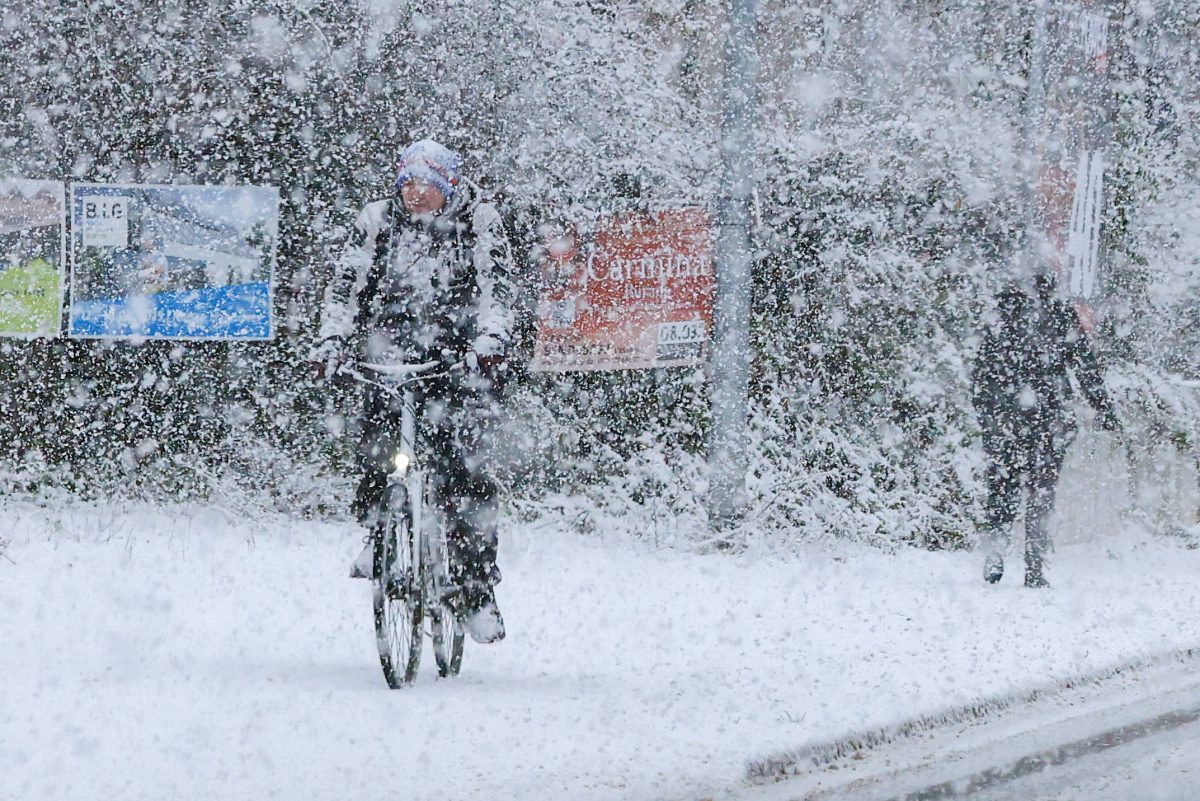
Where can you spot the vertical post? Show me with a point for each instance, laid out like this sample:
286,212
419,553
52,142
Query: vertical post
1032,257
730,366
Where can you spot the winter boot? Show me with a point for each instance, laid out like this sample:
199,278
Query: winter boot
481,616
993,567
1035,579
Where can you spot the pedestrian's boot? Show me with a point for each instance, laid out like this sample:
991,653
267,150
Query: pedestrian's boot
1035,579
993,567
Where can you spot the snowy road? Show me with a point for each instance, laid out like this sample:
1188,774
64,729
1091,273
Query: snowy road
1139,729
195,655
1162,767
1152,759
1116,766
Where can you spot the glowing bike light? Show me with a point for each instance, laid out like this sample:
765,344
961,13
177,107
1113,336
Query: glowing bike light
402,462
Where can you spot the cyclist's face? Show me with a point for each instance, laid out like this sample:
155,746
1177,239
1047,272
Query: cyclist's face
422,198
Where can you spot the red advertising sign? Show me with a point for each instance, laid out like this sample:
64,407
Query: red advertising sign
638,294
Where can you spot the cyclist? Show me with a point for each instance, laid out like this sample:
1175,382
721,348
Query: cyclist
427,275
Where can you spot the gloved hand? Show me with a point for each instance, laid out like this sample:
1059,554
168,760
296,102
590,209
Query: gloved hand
491,367
326,357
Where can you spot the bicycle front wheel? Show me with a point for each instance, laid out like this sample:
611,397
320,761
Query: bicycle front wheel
397,590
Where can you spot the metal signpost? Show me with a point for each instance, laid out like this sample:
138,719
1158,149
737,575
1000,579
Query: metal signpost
731,354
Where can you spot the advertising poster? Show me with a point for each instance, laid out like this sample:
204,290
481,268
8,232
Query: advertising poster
1074,137
637,294
32,255
172,262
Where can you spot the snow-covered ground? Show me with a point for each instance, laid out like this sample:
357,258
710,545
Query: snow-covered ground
192,654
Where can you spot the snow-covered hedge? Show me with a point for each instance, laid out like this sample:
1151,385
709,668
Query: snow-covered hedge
887,212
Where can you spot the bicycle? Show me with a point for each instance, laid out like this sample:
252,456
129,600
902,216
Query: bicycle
410,575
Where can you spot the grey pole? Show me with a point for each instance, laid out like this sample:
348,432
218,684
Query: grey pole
730,365
1035,112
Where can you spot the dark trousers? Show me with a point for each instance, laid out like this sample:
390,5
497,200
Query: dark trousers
1024,466
452,424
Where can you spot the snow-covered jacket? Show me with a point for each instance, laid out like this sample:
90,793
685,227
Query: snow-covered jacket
1020,384
433,289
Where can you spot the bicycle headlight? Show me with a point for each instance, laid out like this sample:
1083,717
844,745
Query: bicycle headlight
402,462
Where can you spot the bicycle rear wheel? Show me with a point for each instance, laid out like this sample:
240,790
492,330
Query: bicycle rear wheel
397,586
446,629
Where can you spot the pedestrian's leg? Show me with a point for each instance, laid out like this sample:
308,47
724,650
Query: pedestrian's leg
1043,473
1003,482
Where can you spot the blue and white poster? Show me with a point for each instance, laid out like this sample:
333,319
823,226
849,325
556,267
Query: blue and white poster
172,262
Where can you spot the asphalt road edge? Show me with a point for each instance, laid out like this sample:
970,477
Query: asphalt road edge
815,756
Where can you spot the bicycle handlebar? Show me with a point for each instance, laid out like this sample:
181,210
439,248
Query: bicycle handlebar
399,374
400,370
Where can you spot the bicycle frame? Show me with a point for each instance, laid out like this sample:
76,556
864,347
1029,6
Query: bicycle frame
406,469
404,461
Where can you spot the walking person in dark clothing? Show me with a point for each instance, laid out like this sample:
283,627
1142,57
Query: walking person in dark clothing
1022,394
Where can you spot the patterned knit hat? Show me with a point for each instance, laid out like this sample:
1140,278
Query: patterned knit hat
431,163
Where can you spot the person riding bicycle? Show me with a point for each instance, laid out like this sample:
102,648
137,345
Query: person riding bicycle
427,275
